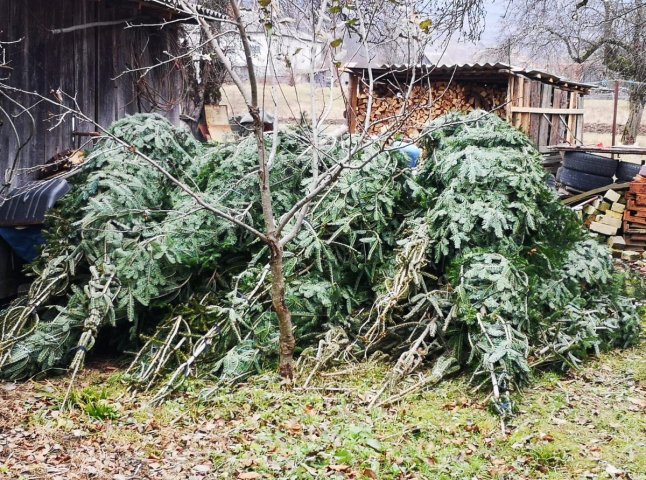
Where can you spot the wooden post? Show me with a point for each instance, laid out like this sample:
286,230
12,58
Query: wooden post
535,118
579,121
555,120
571,119
519,90
510,99
526,93
614,114
352,104
546,102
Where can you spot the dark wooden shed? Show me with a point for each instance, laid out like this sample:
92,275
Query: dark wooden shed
80,49
545,106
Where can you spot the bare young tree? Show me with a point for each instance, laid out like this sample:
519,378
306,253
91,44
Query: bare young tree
330,22
609,33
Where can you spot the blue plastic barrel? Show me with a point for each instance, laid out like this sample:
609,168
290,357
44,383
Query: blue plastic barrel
408,148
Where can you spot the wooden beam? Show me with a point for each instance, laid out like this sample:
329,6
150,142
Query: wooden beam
596,191
590,149
550,111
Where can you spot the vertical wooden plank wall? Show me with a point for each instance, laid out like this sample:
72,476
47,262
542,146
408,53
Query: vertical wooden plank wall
535,118
511,85
563,119
548,114
557,127
85,61
526,102
575,124
518,100
545,125
118,50
84,64
579,120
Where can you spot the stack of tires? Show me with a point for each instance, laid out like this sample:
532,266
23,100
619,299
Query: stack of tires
585,171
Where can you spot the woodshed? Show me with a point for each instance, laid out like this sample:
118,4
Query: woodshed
546,107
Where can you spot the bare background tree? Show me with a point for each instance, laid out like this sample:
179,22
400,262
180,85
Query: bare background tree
204,75
607,36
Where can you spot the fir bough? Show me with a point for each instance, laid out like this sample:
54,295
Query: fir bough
473,262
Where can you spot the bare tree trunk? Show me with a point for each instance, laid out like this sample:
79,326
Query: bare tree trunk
636,101
287,342
286,339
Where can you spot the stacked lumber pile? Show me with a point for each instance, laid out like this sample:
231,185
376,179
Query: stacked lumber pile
425,104
604,215
621,217
634,221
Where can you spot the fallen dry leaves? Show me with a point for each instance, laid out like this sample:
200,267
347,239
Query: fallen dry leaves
39,442
318,437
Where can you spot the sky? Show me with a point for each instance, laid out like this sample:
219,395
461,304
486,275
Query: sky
457,51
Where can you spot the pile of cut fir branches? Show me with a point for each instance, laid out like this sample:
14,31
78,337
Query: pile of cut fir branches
470,263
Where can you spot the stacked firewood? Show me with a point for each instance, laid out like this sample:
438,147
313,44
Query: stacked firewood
390,107
465,97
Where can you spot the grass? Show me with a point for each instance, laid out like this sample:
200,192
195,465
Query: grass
579,425
291,100
95,402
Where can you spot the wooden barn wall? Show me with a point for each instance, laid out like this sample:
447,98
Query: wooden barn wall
83,64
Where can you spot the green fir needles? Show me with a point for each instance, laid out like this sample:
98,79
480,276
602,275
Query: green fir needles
472,263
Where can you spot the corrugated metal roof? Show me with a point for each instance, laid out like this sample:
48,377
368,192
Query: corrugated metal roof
177,6
501,68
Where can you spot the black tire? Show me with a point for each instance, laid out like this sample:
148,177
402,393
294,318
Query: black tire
581,180
626,171
588,163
